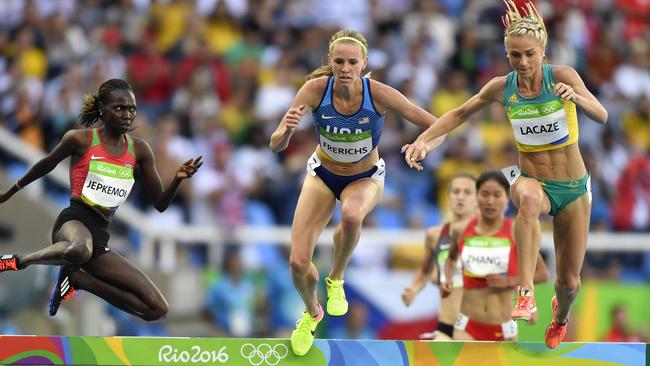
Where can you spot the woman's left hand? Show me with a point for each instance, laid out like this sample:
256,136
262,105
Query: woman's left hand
565,92
189,167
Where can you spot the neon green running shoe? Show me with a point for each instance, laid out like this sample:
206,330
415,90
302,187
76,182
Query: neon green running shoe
337,305
303,336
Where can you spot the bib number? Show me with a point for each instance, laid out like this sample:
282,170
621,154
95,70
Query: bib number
511,173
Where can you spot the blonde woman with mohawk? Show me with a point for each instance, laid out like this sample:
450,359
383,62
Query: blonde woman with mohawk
348,112
540,101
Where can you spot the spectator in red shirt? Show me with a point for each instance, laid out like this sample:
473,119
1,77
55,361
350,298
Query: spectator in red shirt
151,76
631,207
201,55
617,332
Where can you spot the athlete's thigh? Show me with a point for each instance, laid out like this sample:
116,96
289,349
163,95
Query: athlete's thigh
363,194
570,232
531,186
74,230
313,212
450,306
115,269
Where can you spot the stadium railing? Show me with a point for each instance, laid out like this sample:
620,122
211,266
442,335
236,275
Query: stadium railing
169,241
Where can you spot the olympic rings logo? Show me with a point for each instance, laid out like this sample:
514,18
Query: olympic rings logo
549,109
264,353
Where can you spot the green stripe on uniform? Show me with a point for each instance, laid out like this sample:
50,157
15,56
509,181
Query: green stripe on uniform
111,170
130,145
345,137
536,110
96,141
486,242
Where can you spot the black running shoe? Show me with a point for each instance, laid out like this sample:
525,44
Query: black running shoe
8,262
63,289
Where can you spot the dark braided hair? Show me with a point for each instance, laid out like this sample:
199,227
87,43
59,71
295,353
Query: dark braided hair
89,114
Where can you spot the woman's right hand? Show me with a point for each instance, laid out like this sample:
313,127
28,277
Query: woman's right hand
293,116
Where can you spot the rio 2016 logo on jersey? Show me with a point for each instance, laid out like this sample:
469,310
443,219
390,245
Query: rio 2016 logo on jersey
539,124
107,185
344,146
484,255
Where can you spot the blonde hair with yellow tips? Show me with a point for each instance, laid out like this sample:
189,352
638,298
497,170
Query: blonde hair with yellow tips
530,24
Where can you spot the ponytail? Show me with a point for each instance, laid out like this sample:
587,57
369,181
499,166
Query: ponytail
325,70
90,111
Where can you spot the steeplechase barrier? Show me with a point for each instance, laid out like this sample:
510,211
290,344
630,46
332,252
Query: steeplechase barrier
136,351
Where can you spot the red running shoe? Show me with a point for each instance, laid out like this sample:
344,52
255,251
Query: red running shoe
555,332
525,307
63,289
8,262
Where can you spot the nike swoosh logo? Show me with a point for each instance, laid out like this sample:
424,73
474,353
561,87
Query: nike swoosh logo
94,157
323,116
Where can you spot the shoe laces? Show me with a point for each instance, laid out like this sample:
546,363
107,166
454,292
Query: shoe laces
336,289
557,330
524,302
8,263
303,324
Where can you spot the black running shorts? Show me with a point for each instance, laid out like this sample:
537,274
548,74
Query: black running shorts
97,226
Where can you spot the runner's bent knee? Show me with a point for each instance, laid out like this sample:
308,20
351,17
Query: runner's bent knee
568,281
530,202
79,251
351,219
299,264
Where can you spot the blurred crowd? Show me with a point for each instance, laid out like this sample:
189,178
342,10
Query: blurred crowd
214,77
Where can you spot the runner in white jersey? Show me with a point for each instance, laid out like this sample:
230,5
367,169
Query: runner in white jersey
103,162
348,112
462,200
551,178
